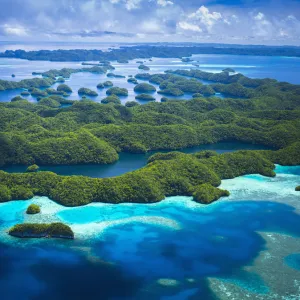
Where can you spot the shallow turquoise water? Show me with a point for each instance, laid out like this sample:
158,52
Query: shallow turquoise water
150,251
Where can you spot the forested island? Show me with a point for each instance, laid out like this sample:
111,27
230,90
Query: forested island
144,51
263,111
40,230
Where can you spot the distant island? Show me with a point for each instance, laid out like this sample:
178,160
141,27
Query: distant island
145,51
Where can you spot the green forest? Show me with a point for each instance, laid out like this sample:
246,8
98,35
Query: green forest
262,111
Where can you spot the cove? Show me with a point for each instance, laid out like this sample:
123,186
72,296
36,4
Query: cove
129,162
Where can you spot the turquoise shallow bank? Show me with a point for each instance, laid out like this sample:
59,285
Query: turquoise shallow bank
244,247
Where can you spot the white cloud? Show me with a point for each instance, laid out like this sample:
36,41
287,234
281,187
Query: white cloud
15,30
164,3
151,26
188,26
132,4
262,27
260,16
204,16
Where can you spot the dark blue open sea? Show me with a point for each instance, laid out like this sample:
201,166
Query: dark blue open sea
246,246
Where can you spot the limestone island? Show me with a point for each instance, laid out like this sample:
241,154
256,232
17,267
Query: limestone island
144,88
87,92
117,91
64,88
297,189
115,75
32,168
132,80
143,67
145,97
33,209
107,84
37,230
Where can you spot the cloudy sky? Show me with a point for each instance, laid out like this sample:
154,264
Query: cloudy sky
222,21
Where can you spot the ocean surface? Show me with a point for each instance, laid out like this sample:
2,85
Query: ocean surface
246,246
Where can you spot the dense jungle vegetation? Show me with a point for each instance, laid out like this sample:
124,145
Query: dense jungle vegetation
89,132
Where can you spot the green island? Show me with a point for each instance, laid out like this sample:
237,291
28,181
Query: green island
132,80
115,75
108,83
297,189
145,97
143,67
87,92
33,209
32,168
39,230
144,88
117,91
263,111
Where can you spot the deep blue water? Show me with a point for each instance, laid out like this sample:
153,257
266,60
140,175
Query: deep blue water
167,250
129,162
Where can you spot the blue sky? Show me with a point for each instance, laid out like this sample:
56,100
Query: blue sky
234,21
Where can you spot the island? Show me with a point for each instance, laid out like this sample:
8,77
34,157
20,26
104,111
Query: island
40,230
100,86
113,98
64,88
117,91
144,67
145,97
132,80
33,168
17,98
33,209
108,84
144,88
115,75
297,189
87,92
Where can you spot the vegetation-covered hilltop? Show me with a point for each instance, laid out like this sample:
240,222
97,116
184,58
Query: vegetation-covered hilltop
170,174
37,230
147,51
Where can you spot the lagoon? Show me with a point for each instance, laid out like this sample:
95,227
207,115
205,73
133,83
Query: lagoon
129,162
